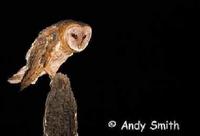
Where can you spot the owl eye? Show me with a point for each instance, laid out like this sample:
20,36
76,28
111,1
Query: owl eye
84,37
74,36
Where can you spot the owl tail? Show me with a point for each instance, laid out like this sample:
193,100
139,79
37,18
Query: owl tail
26,76
17,78
31,76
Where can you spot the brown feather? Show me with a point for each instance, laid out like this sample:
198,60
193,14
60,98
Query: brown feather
47,53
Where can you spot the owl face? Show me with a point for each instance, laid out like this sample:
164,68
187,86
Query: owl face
78,36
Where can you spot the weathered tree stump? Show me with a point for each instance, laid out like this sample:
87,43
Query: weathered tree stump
60,117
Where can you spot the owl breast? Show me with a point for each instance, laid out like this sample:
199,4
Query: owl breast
58,57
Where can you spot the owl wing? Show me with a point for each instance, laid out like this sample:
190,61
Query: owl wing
41,45
39,55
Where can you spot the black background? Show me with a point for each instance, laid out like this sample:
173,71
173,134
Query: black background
132,69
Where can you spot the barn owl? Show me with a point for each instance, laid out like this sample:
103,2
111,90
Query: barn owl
53,46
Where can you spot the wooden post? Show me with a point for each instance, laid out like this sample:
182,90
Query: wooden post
60,117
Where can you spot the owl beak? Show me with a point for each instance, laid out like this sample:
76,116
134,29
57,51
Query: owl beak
79,46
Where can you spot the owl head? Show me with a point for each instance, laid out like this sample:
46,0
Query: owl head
77,36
